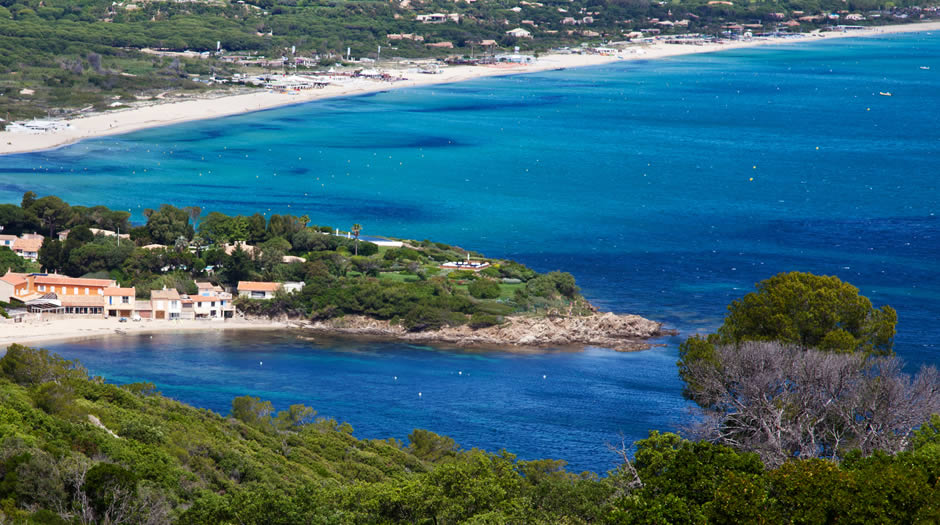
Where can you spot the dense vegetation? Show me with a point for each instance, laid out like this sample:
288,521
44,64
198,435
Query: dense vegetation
405,285
74,449
79,54
803,368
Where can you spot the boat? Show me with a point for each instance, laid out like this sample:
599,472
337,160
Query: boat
885,93
926,68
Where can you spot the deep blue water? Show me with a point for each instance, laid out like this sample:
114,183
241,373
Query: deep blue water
636,177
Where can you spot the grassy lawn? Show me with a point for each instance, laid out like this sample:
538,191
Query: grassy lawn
395,276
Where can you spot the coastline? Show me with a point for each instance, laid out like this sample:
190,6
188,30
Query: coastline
621,333
168,113
47,331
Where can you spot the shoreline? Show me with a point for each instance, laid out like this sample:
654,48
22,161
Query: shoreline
58,330
620,333
169,113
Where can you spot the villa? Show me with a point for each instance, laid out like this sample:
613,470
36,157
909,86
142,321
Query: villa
257,289
519,33
27,245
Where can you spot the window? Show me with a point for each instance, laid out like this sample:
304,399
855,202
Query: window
212,304
42,288
126,300
52,289
86,290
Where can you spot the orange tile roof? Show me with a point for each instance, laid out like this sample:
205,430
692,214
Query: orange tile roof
65,280
165,294
15,279
81,300
120,292
256,286
204,299
27,245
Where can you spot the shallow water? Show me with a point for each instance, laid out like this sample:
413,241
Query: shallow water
636,177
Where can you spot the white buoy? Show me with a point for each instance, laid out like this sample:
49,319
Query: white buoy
396,378
543,376
460,373
419,394
260,363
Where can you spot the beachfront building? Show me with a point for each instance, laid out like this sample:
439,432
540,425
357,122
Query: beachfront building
55,294
7,241
257,289
13,284
166,304
212,307
120,302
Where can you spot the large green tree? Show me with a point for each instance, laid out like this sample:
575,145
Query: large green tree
168,224
812,311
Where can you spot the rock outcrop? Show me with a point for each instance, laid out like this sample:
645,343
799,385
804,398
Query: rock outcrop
625,333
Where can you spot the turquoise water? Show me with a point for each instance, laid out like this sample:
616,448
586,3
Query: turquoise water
636,177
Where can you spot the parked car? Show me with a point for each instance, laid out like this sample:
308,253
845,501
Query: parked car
122,320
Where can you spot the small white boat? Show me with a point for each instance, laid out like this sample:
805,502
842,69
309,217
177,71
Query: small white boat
885,93
925,68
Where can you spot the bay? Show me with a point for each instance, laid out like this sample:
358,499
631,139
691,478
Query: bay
667,187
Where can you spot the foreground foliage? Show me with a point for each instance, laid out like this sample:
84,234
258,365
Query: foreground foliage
169,462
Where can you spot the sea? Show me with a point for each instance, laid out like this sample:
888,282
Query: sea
667,187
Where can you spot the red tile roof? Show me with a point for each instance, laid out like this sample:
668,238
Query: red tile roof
165,294
27,245
204,299
15,279
120,292
72,281
81,300
256,286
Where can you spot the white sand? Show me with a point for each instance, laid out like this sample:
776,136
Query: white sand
33,331
161,114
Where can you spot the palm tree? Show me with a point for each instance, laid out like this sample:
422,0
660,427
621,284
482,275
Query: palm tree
356,228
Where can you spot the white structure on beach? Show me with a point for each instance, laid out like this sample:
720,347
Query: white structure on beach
35,127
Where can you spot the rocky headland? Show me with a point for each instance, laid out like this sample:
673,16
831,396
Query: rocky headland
624,333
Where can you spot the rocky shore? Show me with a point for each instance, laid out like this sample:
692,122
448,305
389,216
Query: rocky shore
624,333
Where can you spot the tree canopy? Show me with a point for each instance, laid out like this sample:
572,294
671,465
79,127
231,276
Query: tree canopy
811,311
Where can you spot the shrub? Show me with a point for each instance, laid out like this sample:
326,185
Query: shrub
480,320
484,289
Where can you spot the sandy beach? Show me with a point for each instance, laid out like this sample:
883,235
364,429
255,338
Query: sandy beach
35,332
172,112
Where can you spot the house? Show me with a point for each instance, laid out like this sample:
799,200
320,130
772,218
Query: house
247,248
257,290
28,247
209,289
56,294
166,304
475,266
443,45
12,284
519,33
7,240
433,18
293,286
120,302
211,307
